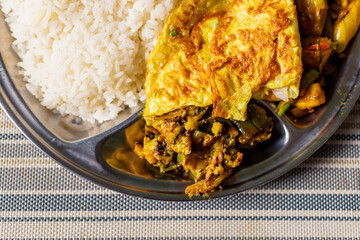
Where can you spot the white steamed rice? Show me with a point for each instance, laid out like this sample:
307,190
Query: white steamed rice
86,57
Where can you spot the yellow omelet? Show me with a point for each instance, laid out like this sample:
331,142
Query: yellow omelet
223,53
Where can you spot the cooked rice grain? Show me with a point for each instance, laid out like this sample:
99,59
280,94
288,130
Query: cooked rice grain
86,58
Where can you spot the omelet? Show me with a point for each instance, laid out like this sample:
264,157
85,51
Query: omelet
222,53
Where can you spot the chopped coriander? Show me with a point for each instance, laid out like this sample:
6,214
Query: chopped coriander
173,33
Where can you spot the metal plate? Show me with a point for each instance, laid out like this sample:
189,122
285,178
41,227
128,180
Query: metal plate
83,148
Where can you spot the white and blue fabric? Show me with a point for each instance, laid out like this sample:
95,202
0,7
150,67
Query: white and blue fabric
320,199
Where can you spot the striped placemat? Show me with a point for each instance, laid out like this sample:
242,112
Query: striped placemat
320,199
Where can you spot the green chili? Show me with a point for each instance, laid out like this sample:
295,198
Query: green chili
309,78
283,107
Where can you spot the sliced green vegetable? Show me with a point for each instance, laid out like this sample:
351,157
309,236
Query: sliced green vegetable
224,121
258,119
247,128
283,107
256,122
309,78
278,106
169,152
170,167
193,174
180,158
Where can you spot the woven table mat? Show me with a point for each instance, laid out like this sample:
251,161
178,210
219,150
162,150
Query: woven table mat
320,199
